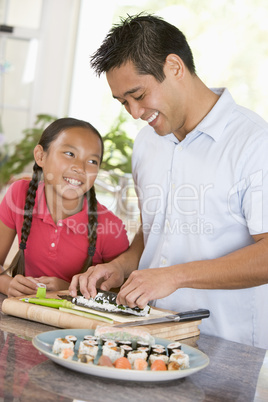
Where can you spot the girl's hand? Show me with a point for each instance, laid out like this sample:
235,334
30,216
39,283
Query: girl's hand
21,286
52,283
103,276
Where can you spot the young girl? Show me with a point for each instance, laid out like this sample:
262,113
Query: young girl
62,229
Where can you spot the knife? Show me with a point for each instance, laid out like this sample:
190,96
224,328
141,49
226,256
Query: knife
184,316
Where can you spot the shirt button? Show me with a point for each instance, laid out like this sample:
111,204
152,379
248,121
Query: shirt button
180,148
56,231
52,244
60,223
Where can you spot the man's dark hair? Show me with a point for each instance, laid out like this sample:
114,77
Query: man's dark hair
146,41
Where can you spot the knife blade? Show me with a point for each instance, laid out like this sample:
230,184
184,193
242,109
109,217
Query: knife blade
184,316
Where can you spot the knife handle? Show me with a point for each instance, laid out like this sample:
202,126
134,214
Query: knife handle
192,315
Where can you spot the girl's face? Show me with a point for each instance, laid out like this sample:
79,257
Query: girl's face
70,167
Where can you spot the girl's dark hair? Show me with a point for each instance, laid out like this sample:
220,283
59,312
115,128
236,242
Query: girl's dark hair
50,134
145,40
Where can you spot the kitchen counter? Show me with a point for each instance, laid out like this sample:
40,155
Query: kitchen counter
236,373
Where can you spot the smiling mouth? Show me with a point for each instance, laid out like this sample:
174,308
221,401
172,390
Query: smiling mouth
153,117
73,182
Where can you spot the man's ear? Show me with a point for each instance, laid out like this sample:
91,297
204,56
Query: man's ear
174,65
39,155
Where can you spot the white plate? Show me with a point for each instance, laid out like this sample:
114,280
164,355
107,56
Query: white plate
44,342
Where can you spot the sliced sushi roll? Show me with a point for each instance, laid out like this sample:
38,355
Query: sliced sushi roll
85,348
126,349
124,342
60,344
84,358
67,354
173,366
71,338
144,349
112,352
141,344
157,346
110,344
181,358
159,351
171,347
136,354
90,338
153,357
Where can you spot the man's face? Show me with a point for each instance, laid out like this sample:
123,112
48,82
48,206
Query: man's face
158,103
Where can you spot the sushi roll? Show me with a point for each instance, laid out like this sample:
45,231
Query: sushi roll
84,358
136,354
126,349
60,344
181,358
173,347
144,349
90,338
122,342
159,351
112,352
71,338
141,344
85,348
110,344
173,366
157,346
153,357
67,354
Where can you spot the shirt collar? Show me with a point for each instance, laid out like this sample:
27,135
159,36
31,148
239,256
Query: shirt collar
217,119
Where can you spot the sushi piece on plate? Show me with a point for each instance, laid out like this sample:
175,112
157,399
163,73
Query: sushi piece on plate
71,338
158,365
140,364
181,358
123,334
105,361
60,344
67,354
122,363
85,347
126,349
112,352
136,354
84,358
153,357
171,347
173,366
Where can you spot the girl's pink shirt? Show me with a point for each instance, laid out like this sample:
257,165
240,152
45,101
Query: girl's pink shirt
60,249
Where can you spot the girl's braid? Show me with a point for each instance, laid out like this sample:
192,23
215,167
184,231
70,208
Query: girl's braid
92,228
17,266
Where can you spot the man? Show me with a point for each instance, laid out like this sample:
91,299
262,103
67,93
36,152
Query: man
200,168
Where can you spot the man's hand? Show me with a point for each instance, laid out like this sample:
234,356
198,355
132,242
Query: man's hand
146,285
102,276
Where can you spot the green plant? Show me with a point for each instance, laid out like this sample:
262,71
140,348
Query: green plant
21,154
117,145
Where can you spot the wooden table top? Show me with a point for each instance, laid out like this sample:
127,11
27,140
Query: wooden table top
236,373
